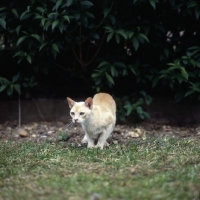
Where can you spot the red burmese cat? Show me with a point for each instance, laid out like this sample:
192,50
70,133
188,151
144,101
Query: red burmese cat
97,117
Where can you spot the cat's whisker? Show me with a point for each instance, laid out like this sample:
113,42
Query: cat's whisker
70,123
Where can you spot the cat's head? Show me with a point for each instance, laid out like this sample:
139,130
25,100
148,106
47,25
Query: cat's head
80,111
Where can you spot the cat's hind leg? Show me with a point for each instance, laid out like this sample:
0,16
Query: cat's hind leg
104,136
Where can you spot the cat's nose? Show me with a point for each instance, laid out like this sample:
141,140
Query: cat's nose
75,120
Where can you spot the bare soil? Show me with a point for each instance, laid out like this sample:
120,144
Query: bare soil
122,134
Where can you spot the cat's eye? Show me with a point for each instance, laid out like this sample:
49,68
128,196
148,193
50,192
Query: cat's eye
72,113
82,113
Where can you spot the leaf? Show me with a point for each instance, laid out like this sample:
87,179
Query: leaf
166,51
112,70
15,78
3,23
120,64
105,12
135,43
94,75
69,2
197,12
62,27
129,109
189,93
98,81
40,9
108,28
184,73
117,38
103,63
21,39
144,36
146,115
47,24
18,53
54,24
90,15
130,34
2,8
172,3
18,29
14,11
37,37
132,69
96,36
42,46
192,4
139,109
17,88
58,3
54,53
23,15
66,17
28,8
122,33
110,35
55,47
124,72
10,90
28,58
86,3
109,78
3,87
43,21
153,3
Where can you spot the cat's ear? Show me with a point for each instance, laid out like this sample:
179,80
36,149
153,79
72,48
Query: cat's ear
88,102
70,102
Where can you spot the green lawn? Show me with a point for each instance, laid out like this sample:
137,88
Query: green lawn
153,169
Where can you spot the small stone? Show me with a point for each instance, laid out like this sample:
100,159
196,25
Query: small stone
50,132
33,135
9,129
22,132
197,129
166,128
133,134
95,196
137,130
60,129
115,142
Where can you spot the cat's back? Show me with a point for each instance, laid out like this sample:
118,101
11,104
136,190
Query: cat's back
105,102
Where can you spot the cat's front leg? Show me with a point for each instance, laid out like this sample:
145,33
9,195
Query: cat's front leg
84,140
90,142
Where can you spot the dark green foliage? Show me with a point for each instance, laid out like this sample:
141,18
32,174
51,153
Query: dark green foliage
120,46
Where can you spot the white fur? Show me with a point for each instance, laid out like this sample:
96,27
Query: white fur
98,120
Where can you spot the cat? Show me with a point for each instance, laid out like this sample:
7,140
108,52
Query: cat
97,117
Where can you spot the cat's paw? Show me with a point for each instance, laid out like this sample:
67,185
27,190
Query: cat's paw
90,146
106,144
84,140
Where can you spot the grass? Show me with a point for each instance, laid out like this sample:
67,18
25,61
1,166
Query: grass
154,169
